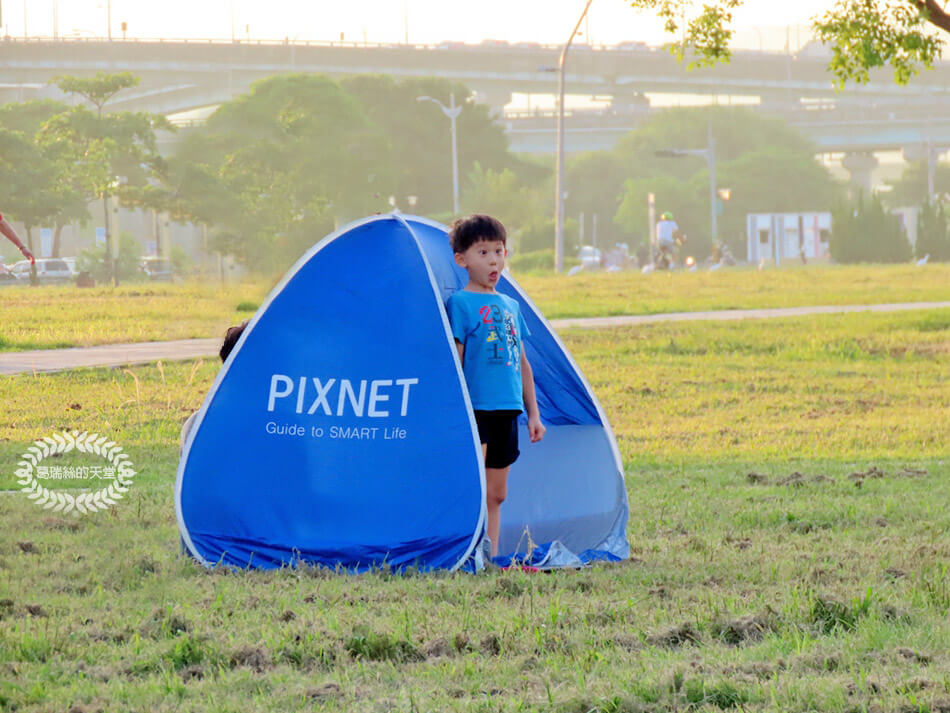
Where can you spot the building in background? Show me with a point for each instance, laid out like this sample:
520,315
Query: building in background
787,236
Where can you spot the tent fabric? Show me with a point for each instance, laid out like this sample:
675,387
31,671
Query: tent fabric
339,432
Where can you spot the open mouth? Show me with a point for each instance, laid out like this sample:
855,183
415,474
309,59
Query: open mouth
493,276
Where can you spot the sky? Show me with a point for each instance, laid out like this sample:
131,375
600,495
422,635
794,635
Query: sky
758,23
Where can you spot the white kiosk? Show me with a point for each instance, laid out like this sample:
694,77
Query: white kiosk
781,236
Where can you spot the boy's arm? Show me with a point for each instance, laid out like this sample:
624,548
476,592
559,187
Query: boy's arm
461,348
536,429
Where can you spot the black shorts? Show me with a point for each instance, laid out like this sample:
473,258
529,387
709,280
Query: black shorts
499,430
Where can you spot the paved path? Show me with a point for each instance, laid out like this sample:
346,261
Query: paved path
733,314
106,355
143,352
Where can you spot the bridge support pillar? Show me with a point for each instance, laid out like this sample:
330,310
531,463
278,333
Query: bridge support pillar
928,153
860,166
496,99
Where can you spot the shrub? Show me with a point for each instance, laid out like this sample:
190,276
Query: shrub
181,263
93,260
537,260
865,232
539,235
933,232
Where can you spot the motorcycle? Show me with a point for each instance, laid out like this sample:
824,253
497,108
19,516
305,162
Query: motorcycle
666,254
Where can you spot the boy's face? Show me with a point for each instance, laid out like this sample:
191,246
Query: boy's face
484,261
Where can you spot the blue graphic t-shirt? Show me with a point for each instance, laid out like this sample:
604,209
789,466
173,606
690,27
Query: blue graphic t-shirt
491,328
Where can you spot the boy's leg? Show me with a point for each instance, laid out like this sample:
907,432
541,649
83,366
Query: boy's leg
496,482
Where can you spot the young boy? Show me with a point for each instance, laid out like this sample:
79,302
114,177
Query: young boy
489,333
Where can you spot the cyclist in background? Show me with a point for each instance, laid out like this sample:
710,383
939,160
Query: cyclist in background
666,229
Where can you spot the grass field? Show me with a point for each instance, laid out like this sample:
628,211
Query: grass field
788,485
52,317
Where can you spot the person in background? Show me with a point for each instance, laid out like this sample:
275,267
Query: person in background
666,229
8,231
230,339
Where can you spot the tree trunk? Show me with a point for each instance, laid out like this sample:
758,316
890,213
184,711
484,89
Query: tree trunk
29,243
56,239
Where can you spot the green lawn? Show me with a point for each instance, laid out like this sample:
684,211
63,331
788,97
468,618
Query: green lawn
51,317
788,485
601,294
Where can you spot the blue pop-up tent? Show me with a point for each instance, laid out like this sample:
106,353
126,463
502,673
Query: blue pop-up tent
339,431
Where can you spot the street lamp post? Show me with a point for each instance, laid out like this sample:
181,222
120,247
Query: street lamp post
452,112
559,181
709,153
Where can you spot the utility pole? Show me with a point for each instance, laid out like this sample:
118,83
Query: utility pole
651,229
931,171
452,112
713,194
109,19
709,153
559,181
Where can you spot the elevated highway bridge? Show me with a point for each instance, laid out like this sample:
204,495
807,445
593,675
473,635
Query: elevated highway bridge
181,75
178,75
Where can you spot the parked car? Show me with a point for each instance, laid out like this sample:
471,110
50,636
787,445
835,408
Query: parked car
6,276
49,271
590,257
156,269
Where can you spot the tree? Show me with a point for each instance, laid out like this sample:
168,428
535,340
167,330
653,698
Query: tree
671,195
501,194
771,180
863,34
94,260
28,117
93,150
97,90
274,169
596,181
766,165
279,166
933,232
419,135
911,188
26,180
49,197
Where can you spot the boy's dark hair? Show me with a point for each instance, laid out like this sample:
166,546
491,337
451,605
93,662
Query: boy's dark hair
465,232
230,339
